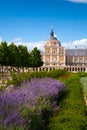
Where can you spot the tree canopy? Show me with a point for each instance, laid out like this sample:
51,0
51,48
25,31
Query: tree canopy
18,56
35,58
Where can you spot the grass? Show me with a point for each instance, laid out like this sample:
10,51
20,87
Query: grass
73,114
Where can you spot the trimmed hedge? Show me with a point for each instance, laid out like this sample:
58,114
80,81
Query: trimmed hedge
73,115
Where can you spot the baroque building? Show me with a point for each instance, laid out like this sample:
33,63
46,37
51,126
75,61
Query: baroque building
54,53
76,57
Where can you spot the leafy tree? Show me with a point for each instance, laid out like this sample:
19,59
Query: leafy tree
18,56
35,58
23,56
4,55
14,54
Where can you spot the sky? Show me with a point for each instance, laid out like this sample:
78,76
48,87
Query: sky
29,22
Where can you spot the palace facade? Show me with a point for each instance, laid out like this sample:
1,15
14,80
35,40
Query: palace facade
56,55
76,57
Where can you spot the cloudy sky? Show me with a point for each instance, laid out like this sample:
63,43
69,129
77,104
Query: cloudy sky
28,22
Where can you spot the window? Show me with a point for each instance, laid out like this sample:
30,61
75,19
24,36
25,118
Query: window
54,43
54,59
54,52
54,63
47,51
47,59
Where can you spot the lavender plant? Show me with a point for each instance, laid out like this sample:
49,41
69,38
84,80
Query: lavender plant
23,106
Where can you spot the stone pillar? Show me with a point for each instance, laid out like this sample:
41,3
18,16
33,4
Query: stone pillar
68,68
86,69
71,68
50,56
48,69
38,68
78,59
83,60
83,69
77,68
73,59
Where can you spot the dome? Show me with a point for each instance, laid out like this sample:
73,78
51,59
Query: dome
52,40
52,37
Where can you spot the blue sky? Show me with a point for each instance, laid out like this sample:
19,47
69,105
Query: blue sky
28,22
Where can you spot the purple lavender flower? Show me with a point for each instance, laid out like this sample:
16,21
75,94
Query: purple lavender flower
33,95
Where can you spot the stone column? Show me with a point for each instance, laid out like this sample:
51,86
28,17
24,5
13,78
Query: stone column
73,59
78,59
50,56
86,69
83,60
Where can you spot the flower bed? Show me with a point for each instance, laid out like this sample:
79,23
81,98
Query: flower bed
27,106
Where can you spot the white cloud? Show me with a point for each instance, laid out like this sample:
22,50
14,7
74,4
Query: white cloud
30,45
82,43
78,1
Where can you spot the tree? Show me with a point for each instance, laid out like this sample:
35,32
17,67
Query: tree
14,55
19,56
35,58
4,54
23,56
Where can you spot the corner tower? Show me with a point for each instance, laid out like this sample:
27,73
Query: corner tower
54,53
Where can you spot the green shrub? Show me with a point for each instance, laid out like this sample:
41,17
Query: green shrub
17,79
56,73
36,74
82,74
73,114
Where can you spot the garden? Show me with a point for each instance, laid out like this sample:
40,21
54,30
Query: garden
51,100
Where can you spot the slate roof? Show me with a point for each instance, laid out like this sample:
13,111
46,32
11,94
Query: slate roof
76,52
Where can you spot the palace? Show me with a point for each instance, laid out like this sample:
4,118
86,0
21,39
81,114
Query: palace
76,57
55,55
